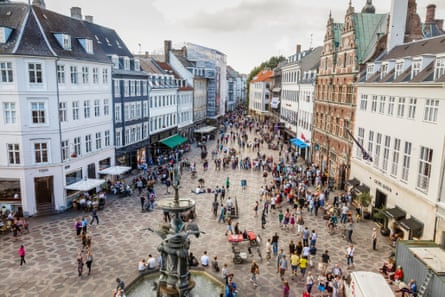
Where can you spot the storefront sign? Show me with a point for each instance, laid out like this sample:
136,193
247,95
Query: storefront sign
383,186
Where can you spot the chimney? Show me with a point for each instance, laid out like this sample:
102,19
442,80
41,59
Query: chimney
430,13
298,48
39,3
89,18
439,24
76,13
397,23
167,49
146,55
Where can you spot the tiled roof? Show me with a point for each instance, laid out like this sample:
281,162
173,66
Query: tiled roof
109,40
433,46
263,75
184,61
149,65
312,59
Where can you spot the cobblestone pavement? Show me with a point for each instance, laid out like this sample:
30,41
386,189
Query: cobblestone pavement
120,241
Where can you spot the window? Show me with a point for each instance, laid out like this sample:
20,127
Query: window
95,75
9,113
425,163
14,154
38,113
412,108
75,110
384,71
85,74
360,139
35,73
73,72
88,143
370,142
65,150
117,113
62,111
118,138
126,63
401,107
106,107
97,108
431,110
378,143
117,88
77,148
391,103
382,104
64,40
374,104
363,102
415,68
386,152
107,138
6,72
439,69
86,109
105,76
395,157
61,74
126,88
115,61
398,70
137,65
41,152
406,161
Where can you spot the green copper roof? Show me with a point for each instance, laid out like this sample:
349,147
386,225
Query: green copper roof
338,29
368,28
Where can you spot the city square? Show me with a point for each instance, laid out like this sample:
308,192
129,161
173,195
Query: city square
122,238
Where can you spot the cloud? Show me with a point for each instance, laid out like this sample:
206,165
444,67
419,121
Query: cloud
248,14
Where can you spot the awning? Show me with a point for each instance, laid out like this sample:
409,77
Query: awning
412,225
354,182
115,170
362,189
275,102
85,185
173,141
395,213
299,143
276,90
205,129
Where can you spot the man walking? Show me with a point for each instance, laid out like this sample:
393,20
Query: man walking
350,255
275,244
94,216
374,238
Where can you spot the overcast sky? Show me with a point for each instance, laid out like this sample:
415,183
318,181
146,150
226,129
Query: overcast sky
247,31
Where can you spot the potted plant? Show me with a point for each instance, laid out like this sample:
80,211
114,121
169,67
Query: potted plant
380,218
364,199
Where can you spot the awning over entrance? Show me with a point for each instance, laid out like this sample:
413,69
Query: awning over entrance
205,129
115,170
362,189
173,141
299,143
395,213
412,225
85,185
354,182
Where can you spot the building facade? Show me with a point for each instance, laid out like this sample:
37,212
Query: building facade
260,94
55,95
402,95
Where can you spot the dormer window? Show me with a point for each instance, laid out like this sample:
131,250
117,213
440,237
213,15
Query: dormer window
118,44
64,40
5,32
399,69
439,68
126,63
115,61
384,71
415,69
97,39
108,41
87,45
137,65
369,70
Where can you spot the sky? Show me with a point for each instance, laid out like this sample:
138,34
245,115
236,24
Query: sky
247,31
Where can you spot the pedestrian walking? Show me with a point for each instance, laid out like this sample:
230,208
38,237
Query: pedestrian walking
22,253
283,266
142,198
275,239
374,238
227,183
263,220
350,255
254,270
80,263
286,289
350,229
309,282
89,261
94,216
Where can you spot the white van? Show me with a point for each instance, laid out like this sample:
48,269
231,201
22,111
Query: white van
367,284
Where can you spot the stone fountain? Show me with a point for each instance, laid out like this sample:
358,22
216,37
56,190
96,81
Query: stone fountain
174,279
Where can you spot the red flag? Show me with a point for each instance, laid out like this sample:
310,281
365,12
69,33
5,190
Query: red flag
302,137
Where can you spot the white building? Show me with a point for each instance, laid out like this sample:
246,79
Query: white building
297,97
55,101
400,123
260,93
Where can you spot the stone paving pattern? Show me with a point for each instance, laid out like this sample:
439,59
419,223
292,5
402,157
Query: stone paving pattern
120,241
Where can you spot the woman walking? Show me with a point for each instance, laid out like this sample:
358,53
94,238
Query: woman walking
80,263
89,261
254,270
22,253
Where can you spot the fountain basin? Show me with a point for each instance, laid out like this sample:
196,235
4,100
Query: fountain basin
206,285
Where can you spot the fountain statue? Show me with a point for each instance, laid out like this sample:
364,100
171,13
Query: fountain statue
174,279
